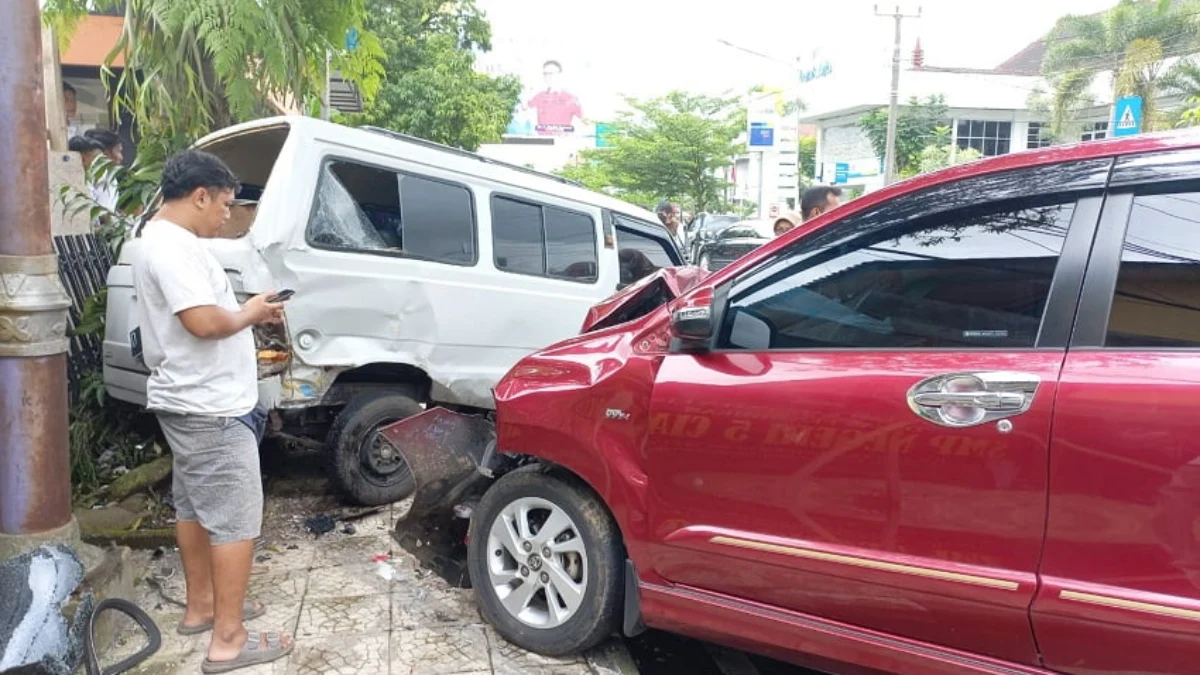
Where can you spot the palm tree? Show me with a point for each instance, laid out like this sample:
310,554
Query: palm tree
196,65
1133,41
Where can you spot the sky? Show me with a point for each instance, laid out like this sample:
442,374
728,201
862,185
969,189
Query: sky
643,48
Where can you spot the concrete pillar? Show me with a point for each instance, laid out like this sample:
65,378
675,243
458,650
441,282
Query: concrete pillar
35,484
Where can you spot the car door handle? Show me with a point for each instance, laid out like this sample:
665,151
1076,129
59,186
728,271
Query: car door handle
986,400
969,399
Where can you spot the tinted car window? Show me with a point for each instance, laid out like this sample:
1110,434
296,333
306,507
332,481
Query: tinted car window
1157,299
438,220
517,233
570,245
962,279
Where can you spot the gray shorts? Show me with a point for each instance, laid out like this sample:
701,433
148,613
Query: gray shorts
216,477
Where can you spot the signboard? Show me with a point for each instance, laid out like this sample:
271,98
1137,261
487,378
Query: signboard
762,136
603,135
844,172
351,39
1127,116
841,172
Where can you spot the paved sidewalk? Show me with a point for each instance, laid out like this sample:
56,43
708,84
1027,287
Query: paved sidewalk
347,618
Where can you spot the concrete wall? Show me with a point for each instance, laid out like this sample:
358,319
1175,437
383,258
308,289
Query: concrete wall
65,168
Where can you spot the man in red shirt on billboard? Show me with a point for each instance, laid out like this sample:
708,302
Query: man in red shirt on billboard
557,110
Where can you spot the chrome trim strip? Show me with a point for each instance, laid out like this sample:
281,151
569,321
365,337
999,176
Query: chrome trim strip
1133,605
926,572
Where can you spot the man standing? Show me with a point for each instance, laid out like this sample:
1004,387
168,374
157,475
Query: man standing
819,199
668,214
557,110
203,386
104,187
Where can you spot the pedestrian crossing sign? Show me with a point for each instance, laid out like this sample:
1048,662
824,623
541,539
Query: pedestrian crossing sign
1127,116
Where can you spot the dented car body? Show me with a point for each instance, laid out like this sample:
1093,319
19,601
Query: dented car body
420,272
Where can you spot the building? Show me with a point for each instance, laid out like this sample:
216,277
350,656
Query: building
989,111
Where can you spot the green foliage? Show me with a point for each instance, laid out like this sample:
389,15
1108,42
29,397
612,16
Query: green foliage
432,89
674,147
137,188
937,157
196,66
1134,39
917,125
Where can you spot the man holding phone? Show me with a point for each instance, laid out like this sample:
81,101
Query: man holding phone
203,386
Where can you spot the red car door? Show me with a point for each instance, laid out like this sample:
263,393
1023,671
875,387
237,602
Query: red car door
866,439
1121,575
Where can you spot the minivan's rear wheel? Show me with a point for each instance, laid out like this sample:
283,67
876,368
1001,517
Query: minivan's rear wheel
367,468
545,562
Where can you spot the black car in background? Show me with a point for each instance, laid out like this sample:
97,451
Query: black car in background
730,243
704,228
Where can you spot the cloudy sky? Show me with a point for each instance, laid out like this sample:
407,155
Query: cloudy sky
646,47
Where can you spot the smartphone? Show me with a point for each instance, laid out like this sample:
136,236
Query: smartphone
282,296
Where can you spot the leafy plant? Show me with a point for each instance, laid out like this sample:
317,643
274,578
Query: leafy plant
917,126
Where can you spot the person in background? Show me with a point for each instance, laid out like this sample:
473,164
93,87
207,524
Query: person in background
819,199
71,110
104,188
668,214
203,387
786,222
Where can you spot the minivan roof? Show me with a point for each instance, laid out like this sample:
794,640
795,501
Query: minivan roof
444,156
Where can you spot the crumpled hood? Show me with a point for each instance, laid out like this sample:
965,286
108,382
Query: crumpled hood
643,297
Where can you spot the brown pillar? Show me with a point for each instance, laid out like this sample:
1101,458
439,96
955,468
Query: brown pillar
35,483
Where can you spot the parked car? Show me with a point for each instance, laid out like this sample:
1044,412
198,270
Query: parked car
704,228
732,242
422,274
947,428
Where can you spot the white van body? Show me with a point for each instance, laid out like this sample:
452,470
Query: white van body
443,324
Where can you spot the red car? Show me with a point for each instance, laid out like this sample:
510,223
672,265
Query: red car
945,428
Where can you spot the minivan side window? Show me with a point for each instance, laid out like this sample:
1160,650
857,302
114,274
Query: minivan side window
640,255
544,240
975,278
373,210
1157,298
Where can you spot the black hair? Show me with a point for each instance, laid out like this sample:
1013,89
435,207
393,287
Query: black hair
83,144
663,207
816,197
192,169
106,138
556,64
67,87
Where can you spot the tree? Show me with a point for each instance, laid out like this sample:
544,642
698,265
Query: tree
1133,40
199,65
806,162
916,128
674,147
432,89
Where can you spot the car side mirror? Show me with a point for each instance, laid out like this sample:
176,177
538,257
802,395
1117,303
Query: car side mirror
692,325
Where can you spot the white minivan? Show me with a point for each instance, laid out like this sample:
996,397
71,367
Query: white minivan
421,273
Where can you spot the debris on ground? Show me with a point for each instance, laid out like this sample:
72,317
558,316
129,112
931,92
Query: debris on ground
349,529
385,571
320,524
352,517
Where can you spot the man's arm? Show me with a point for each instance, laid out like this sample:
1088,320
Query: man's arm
210,322
185,287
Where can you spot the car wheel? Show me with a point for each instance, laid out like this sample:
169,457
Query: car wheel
545,562
367,468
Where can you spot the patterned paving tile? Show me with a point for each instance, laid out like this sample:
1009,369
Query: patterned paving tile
352,550
346,581
341,655
509,659
343,616
286,587
427,651
280,618
429,603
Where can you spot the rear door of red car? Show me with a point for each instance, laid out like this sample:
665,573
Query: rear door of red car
867,440
1121,574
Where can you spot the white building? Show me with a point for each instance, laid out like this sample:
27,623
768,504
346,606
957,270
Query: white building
989,111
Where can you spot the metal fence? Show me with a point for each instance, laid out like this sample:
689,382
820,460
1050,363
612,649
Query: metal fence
83,262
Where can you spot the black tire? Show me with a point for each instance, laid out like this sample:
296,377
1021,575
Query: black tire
362,479
597,615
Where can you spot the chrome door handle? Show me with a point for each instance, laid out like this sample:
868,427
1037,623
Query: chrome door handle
972,398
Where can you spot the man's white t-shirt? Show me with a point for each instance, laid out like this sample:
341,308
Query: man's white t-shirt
189,375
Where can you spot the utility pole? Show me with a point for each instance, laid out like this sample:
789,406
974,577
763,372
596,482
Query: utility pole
35,483
889,175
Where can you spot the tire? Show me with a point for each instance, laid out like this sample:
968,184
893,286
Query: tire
360,472
597,572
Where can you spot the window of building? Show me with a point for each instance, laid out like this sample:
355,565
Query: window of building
373,210
1094,131
964,279
989,138
1157,300
1038,136
544,240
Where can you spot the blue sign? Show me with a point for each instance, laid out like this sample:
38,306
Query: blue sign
818,71
1127,116
761,135
352,39
841,172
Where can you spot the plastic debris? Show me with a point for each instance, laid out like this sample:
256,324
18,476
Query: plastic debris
386,571
321,524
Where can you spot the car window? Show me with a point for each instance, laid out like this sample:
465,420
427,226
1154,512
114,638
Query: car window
1157,298
640,255
543,240
974,278
373,210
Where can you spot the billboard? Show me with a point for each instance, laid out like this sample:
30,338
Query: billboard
549,108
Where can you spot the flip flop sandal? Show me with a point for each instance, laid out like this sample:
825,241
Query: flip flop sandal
252,654
249,611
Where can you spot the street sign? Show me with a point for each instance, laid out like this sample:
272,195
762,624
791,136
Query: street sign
841,172
603,135
351,39
1127,116
762,135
